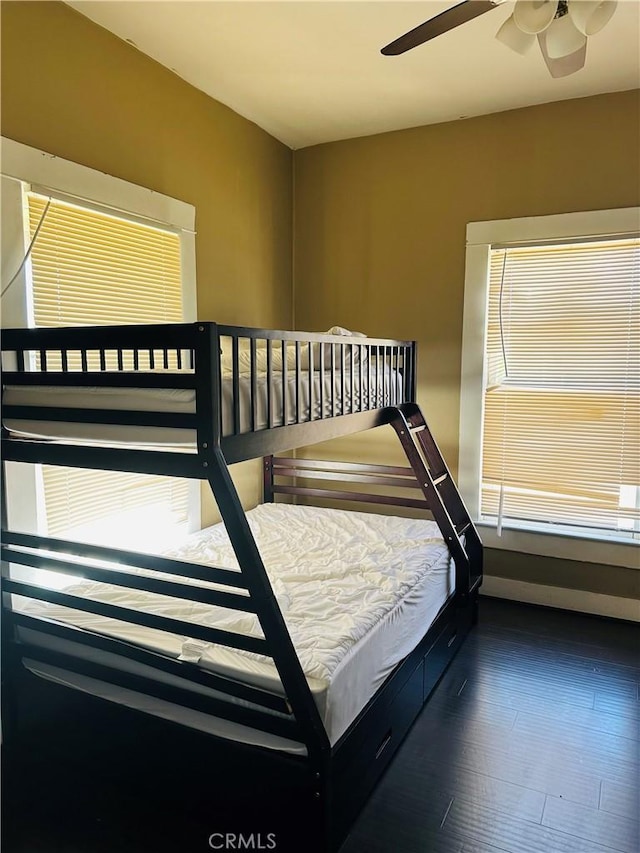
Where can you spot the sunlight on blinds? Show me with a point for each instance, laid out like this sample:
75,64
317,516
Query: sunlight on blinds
93,268
561,438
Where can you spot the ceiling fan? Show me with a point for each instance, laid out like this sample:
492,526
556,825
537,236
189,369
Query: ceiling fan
561,28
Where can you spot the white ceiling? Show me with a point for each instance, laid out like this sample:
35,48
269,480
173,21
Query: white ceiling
310,71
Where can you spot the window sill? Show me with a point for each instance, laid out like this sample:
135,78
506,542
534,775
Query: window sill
564,546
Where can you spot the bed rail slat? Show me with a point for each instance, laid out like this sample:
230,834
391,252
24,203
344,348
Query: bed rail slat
285,383
353,477
181,669
333,380
163,463
298,383
103,416
209,705
160,586
360,497
235,382
321,375
108,379
360,377
411,376
387,375
136,559
138,617
269,386
254,385
395,381
142,336
331,465
311,388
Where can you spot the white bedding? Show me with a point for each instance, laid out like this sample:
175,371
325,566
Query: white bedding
357,592
183,401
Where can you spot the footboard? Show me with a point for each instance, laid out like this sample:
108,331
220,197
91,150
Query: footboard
100,397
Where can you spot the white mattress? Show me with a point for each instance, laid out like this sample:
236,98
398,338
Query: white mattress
357,592
183,401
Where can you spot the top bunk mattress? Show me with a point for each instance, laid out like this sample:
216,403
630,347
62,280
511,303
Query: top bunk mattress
319,397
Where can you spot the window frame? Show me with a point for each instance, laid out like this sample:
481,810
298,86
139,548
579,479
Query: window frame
481,236
26,169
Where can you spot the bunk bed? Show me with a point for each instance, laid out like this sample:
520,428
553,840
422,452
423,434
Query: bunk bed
221,647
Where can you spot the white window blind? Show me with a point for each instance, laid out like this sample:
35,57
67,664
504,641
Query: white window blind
561,435
89,267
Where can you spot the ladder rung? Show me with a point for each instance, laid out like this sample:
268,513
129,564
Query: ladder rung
438,480
416,429
460,531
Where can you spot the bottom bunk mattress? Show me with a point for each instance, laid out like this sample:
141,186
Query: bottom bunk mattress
357,591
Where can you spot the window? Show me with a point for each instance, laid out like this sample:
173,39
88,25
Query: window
94,267
96,264
552,315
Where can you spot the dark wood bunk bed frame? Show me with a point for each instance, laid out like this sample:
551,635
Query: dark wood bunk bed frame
337,778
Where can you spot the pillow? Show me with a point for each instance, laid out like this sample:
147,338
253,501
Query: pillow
340,330
244,353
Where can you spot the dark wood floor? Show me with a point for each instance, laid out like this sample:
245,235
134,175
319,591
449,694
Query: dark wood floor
528,745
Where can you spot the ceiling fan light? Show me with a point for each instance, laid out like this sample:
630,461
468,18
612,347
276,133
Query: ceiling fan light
563,38
511,35
534,16
564,65
590,16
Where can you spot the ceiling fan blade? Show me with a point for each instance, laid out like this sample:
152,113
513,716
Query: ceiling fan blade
442,23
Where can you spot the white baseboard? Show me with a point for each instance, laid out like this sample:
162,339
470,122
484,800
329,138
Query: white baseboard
567,599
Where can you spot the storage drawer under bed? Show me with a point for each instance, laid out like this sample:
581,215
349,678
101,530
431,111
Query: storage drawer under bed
383,737
439,655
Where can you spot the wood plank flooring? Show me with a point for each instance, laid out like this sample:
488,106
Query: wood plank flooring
528,745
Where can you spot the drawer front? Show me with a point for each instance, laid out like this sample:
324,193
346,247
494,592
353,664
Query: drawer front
439,655
356,780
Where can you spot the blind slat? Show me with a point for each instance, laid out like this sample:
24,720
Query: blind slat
561,432
90,268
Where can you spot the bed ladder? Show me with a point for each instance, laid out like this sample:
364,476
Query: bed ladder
442,496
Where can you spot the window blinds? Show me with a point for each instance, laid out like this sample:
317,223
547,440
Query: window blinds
92,268
561,436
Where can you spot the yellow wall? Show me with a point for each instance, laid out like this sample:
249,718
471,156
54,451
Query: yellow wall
73,89
380,241
380,221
